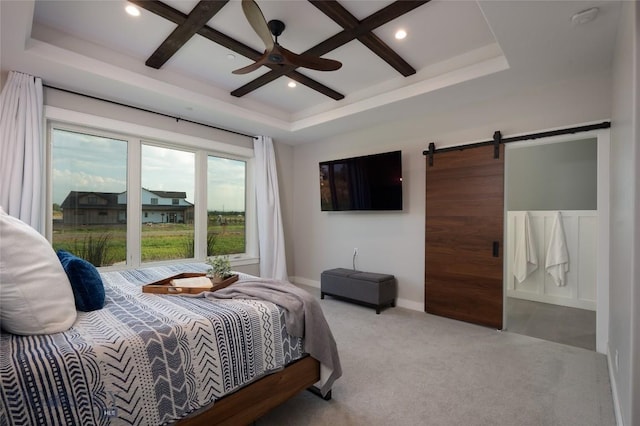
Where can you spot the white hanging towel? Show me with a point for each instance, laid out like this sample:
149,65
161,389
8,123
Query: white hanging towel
525,260
557,262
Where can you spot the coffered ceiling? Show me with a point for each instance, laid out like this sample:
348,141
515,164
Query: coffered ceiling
95,47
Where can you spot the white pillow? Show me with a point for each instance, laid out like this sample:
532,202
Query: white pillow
35,293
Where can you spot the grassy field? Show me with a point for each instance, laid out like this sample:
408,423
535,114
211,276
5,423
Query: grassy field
105,245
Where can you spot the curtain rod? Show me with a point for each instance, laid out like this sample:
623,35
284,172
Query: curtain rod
566,131
147,110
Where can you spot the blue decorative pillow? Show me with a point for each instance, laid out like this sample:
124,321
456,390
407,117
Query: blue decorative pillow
88,289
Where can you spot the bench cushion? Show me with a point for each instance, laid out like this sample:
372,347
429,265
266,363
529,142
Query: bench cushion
370,276
341,272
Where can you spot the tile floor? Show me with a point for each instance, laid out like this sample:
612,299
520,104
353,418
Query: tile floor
561,324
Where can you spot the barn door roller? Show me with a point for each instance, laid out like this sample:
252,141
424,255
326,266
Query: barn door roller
497,140
432,150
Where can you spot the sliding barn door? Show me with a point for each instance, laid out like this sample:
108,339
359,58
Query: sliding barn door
463,241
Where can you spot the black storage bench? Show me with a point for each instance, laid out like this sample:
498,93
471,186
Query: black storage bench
366,288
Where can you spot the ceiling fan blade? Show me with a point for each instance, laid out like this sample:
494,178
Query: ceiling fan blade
258,23
254,66
308,61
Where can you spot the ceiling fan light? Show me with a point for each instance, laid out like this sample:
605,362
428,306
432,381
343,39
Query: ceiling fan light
132,10
276,58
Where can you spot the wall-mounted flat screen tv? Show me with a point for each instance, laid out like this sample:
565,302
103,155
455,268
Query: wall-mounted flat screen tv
370,182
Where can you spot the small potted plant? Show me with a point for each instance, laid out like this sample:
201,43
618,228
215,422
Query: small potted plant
220,268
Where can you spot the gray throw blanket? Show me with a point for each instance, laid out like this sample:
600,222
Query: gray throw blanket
303,318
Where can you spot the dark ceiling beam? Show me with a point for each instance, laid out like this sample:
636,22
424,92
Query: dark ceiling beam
167,12
346,20
377,19
198,17
170,14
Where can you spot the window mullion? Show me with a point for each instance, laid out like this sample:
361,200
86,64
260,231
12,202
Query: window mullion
200,213
134,204
251,233
49,184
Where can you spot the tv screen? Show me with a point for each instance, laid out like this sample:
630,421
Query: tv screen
371,182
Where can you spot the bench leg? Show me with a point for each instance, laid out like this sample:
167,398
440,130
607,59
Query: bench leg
321,295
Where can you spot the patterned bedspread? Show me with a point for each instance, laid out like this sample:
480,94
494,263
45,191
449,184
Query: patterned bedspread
143,359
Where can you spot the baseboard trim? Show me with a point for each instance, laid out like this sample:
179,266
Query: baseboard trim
614,389
410,304
402,303
561,301
305,281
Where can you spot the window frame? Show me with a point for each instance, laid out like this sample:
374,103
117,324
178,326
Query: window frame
136,135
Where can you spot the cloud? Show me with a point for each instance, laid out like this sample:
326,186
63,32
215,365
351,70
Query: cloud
226,180
66,180
82,162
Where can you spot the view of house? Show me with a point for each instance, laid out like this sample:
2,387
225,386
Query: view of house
168,133
103,208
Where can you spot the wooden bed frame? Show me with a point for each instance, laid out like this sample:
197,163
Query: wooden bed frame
258,398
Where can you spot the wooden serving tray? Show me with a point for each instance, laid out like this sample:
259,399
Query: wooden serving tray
163,286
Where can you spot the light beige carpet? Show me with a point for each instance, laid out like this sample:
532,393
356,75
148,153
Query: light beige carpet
409,368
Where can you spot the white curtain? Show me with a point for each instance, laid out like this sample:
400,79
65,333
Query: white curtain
21,148
273,263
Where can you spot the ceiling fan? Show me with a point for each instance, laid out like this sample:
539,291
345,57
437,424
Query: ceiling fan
274,53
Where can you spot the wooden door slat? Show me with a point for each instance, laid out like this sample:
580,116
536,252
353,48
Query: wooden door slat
464,216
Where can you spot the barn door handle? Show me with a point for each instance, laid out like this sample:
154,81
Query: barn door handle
496,248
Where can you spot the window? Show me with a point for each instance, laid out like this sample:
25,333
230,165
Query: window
226,180
167,171
159,218
83,165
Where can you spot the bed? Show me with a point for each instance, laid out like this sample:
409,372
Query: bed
148,359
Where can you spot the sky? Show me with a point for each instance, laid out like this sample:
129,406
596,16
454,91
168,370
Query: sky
82,162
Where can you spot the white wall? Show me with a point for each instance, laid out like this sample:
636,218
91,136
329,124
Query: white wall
624,344
559,176
4,74
57,98
394,242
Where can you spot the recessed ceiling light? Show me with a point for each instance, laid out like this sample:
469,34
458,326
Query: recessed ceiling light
401,34
231,56
292,84
132,10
